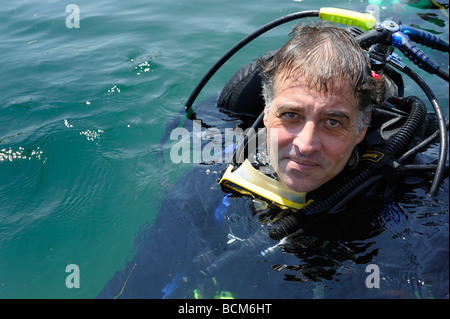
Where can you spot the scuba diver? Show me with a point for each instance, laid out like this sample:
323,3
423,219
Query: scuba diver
335,137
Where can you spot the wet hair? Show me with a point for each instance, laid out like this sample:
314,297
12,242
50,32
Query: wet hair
327,58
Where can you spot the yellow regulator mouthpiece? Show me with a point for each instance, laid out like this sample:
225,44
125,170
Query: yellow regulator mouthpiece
248,180
365,21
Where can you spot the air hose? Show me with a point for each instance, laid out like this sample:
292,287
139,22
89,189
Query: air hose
440,118
287,18
291,223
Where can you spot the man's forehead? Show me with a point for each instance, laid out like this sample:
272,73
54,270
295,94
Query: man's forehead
336,91
297,79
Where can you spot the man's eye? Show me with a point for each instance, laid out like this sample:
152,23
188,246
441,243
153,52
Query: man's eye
332,122
289,115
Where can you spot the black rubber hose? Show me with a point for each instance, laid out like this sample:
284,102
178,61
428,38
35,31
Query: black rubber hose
367,39
421,146
292,222
397,78
438,175
442,74
422,168
416,119
237,47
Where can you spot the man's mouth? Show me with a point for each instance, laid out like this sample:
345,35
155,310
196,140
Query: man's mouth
303,165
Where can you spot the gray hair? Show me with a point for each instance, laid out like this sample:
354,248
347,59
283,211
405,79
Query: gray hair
327,57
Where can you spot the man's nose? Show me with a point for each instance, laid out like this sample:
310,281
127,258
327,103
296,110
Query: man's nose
307,139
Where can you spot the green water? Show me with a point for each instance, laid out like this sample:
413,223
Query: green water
83,111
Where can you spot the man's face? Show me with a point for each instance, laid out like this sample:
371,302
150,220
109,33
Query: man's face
315,133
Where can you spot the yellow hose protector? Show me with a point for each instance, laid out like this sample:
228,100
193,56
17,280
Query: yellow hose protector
249,181
365,21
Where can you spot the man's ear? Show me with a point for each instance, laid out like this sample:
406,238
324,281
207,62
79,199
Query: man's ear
266,116
362,133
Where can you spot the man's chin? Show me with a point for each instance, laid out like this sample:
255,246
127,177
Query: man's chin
298,185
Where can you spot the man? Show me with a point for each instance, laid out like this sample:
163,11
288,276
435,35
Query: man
319,91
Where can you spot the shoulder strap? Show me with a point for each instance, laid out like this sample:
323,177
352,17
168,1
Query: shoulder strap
242,95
